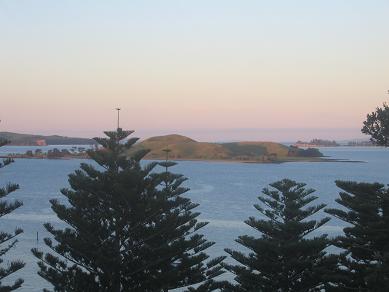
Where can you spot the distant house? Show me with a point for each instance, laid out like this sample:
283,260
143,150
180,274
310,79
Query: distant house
41,142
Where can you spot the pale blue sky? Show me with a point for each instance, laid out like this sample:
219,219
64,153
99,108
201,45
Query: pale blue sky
188,66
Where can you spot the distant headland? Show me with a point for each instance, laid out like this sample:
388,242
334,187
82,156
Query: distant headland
41,140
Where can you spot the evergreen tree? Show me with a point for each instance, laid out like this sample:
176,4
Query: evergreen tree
130,228
366,239
377,126
283,258
6,238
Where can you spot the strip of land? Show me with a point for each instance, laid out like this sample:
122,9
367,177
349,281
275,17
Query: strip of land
17,139
177,147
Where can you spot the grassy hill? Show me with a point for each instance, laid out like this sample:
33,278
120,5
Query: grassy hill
185,148
29,140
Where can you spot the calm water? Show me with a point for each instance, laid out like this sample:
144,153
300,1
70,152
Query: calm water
226,193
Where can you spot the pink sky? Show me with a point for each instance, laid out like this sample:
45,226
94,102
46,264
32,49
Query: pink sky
219,71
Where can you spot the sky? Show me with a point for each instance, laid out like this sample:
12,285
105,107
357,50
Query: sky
216,70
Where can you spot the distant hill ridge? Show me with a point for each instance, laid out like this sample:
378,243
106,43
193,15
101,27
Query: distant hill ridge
185,148
41,140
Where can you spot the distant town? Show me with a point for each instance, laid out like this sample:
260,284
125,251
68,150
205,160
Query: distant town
332,143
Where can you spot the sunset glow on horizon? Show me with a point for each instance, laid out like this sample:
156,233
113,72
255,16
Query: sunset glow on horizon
216,70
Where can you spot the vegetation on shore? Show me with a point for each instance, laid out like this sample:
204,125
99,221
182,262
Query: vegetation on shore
317,143
184,148
55,153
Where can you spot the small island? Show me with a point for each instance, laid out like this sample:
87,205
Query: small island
184,148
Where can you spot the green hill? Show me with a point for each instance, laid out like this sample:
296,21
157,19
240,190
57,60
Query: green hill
184,148
40,140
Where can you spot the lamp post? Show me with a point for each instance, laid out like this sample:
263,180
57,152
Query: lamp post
118,110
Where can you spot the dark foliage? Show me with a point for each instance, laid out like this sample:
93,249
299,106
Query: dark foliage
8,239
286,257
377,126
130,228
299,152
245,150
366,240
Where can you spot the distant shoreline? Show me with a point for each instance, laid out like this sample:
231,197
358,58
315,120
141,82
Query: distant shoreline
290,160
264,162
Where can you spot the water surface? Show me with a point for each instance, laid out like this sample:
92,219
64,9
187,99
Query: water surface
225,191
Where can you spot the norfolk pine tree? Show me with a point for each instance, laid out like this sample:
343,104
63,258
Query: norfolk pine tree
130,228
6,238
366,240
283,258
366,210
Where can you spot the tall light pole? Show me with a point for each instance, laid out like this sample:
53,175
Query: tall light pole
118,110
